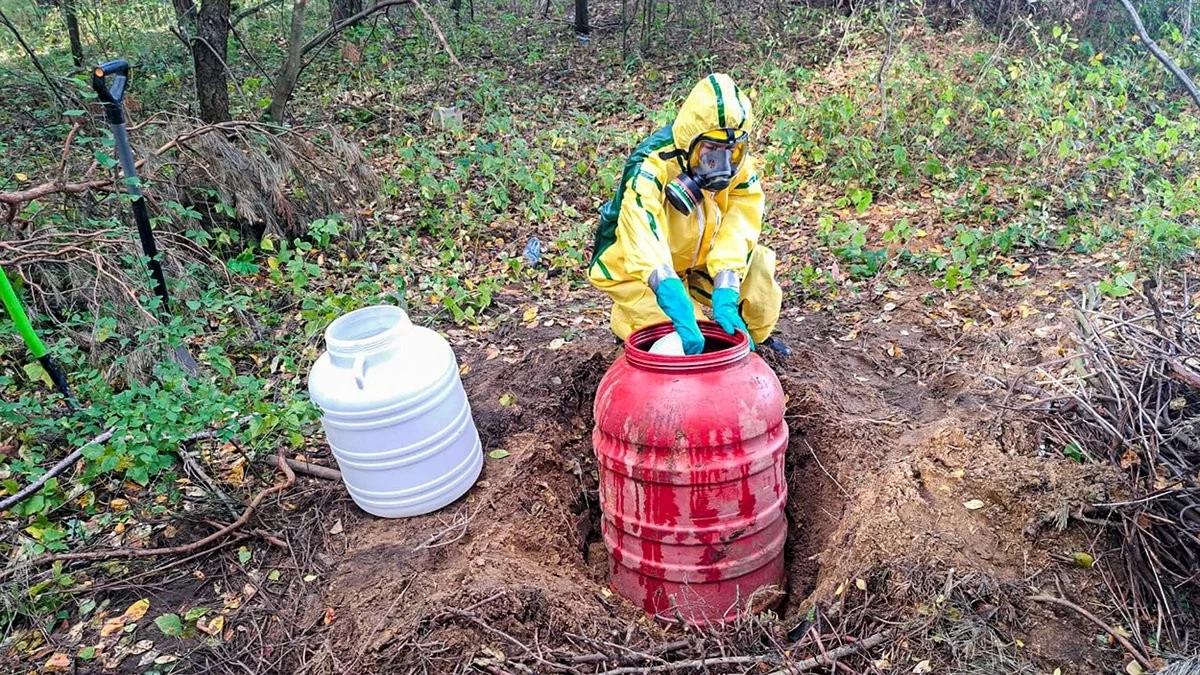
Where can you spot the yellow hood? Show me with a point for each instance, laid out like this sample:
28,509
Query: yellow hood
715,103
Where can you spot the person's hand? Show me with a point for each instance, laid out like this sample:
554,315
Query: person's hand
725,312
675,303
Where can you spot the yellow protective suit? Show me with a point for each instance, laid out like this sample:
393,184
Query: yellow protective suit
641,235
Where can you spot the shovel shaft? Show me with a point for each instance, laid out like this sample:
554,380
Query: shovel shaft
13,305
140,215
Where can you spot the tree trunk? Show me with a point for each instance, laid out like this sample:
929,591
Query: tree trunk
581,17
285,82
72,20
340,10
210,46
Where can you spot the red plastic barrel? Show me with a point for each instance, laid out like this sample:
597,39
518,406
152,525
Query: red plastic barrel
691,455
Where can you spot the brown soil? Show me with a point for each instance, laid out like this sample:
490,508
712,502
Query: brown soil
886,453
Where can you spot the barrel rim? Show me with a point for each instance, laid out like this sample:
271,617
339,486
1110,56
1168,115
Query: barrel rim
637,349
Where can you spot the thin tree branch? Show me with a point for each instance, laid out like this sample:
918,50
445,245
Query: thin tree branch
250,11
32,488
1159,54
1145,662
437,30
33,57
289,478
322,37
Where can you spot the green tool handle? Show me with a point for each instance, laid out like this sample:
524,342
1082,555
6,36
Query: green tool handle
17,312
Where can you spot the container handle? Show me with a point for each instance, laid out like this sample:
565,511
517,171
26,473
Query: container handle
360,370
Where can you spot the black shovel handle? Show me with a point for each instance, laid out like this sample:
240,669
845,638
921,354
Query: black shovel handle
113,96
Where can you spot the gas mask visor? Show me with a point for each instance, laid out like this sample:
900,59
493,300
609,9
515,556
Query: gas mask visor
715,158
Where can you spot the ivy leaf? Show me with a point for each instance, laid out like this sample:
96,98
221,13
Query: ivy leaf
498,453
244,555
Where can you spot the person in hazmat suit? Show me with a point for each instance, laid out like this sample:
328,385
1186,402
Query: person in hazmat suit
682,230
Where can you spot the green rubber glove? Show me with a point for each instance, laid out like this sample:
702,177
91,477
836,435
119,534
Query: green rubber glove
675,303
725,312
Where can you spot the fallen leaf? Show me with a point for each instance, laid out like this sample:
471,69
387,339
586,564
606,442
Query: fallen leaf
237,473
840,589
57,662
141,647
337,528
530,315
973,504
1084,560
1130,458
248,591
310,577
464,369
860,584
113,626
1134,668
21,177
137,610
923,667
165,659
119,505
557,343
498,453
213,627
958,473
330,615
894,350
170,625
274,575
508,400
87,653
244,555
147,659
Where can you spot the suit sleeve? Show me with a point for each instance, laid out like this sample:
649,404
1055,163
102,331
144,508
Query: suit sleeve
740,224
641,224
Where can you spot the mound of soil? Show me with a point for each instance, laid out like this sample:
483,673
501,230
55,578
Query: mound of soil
887,473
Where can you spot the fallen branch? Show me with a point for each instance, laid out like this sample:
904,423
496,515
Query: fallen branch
124,553
830,658
1141,659
32,488
1159,54
437,30
314,470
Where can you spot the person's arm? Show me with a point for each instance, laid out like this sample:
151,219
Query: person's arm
641,227
741,223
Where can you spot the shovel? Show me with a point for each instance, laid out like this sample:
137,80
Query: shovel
13,304
113,98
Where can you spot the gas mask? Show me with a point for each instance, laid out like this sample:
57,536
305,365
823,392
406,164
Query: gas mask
711,163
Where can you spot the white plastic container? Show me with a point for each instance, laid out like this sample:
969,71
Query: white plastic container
395,413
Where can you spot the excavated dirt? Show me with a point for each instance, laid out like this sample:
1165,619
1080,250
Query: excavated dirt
884,464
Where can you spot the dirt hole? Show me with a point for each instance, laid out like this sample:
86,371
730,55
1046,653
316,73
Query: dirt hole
523,549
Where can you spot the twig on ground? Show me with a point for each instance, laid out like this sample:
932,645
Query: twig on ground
833,655
288,480
1141,658
314,470
29,490
437,30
